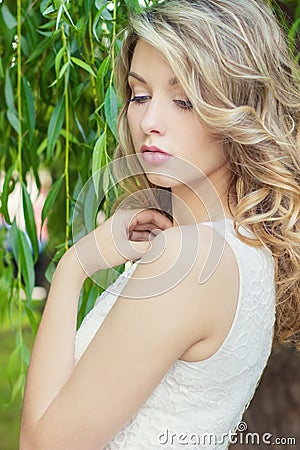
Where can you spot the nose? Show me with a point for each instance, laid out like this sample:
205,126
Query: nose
153,120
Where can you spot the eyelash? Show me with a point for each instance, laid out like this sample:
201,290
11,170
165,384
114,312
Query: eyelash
139,99
185,105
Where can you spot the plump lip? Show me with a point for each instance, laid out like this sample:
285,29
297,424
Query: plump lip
154,155
154,149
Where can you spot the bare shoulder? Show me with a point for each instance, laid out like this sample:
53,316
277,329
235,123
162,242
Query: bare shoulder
191,274
197,251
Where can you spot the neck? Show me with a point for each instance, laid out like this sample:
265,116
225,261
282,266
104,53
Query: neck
203,200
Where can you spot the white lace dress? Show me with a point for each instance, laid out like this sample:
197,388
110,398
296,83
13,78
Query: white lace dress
197,404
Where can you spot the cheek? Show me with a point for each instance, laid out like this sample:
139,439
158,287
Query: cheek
203,148
132,123
134,128
129,121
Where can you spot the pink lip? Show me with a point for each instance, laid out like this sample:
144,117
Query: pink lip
152,148
154,155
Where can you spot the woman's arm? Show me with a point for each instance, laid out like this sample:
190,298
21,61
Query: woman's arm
52,360
139,340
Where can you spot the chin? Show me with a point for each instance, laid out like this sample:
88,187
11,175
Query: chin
162,180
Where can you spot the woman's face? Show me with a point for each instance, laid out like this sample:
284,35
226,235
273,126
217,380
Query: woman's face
166,132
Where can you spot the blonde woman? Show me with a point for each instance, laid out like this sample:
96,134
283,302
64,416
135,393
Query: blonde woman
172,353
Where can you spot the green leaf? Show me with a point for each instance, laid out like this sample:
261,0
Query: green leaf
14,237
101,4
62,71
13,119
46,26
104,66
8,18
5,193
102,71
49,10
293,33
27,265
106,178
90,206
111,109
23,257
44,45
51,197
55,125
57,3
41,147
14,363
18,387
44,4
83,65
29,111
88,4
30,222
32,320
58,59
68,16
96,21
99,153
133,5
50,272
8,92
1,68
80,128
72,137
59,14
25,355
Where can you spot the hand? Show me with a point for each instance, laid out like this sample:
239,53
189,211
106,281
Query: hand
139,225
125,236
132,232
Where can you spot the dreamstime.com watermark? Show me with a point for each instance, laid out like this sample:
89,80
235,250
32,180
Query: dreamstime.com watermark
240,436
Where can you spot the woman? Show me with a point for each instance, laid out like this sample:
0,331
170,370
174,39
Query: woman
172,353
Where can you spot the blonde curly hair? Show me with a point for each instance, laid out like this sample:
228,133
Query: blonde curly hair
232,60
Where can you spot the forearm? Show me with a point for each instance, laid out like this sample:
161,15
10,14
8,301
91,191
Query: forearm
52,363
52,359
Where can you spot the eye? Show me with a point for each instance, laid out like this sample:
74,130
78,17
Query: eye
139,99
184,104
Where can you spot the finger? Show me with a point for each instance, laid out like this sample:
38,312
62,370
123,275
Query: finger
160,220
154,217
139,236
144,227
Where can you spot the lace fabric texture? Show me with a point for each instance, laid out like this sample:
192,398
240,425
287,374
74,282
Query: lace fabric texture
197,404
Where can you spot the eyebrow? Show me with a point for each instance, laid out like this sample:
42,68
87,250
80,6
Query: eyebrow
173,81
